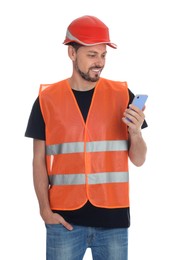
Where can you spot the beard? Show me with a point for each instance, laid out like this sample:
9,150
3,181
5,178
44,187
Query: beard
86,75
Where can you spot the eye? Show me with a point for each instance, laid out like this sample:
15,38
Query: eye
92,55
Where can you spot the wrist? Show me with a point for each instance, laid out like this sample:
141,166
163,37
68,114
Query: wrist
45,213
135,134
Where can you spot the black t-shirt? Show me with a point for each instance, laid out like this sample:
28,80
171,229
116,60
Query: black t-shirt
88,215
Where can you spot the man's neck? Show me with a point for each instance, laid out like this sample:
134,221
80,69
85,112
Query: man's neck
81,85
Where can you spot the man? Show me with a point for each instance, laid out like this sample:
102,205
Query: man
82,142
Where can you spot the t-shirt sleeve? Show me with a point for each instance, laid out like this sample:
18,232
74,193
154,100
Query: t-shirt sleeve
131,96
36,126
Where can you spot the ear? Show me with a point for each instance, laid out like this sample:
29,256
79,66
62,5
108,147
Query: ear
71,53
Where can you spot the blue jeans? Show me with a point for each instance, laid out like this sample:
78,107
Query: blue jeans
105,243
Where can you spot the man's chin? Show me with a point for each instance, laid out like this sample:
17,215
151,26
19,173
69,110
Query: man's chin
88,77
95,79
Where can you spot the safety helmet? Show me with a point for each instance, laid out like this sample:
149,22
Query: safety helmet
88,31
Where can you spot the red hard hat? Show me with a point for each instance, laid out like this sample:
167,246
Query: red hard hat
88,30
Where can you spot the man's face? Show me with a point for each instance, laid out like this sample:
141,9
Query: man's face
90,61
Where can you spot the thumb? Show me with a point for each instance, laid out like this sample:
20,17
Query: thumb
144,108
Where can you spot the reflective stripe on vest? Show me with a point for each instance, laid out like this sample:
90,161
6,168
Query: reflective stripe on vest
77,147
96,178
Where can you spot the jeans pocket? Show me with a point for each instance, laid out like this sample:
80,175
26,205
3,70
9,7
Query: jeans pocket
52,225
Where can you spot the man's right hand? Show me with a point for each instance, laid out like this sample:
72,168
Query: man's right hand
54,218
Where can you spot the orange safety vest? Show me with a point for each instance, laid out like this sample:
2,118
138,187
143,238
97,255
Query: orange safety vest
86,161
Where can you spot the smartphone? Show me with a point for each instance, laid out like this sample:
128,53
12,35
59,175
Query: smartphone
139,101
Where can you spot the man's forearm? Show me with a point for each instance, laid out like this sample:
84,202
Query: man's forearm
41,185
40,177
138,149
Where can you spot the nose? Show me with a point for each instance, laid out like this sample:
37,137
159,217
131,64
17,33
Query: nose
100,62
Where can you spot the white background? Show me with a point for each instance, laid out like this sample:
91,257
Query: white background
31,52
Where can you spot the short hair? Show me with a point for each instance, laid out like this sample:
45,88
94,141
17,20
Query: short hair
75,45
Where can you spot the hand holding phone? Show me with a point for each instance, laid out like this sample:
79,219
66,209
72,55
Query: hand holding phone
139,101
